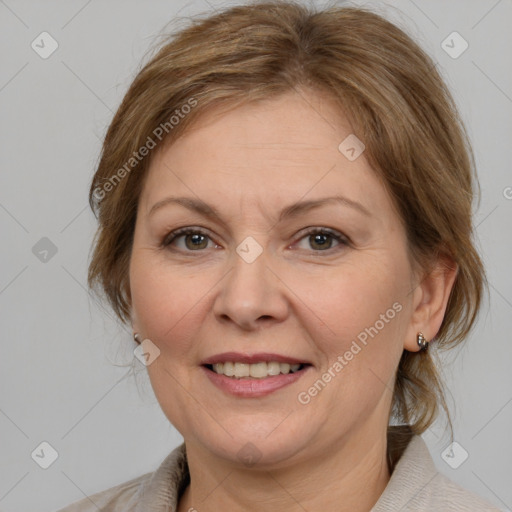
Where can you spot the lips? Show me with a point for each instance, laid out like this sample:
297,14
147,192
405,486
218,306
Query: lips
257,366
253,375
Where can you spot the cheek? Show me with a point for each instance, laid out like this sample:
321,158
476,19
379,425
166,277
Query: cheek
365,314
360,317
164,303
348,301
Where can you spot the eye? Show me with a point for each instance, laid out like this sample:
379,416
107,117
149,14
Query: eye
321,239
194,239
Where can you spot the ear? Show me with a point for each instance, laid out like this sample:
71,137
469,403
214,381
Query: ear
430,299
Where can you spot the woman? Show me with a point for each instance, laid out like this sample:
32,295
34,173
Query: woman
284,203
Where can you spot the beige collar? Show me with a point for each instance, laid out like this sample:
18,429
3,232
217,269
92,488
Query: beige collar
161,492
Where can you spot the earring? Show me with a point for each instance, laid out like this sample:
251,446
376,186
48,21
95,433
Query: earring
422,342
136,337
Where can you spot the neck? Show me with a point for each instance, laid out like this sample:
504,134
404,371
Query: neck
349,478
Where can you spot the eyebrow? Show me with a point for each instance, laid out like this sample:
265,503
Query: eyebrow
293,210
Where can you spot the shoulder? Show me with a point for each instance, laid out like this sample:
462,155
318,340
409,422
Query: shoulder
416,484
156,490
444,494
123,497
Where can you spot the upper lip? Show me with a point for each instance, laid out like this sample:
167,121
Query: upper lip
260,357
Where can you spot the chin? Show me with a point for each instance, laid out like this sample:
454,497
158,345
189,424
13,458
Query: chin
264,442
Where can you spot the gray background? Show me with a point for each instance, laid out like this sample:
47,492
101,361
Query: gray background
65,365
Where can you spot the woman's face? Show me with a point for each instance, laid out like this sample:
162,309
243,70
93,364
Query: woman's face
325,284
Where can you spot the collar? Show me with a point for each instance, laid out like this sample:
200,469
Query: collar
161,492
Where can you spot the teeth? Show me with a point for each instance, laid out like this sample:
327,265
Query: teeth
241,370
256,370
273,368
285,368
219,367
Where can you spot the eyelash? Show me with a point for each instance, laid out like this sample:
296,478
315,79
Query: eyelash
174,235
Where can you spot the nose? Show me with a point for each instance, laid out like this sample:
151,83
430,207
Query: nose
251,295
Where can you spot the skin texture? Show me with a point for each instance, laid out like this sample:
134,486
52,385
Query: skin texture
300,298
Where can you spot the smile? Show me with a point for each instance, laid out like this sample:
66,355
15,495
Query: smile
253,376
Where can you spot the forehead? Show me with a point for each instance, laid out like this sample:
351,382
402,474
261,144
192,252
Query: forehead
295,123
285,147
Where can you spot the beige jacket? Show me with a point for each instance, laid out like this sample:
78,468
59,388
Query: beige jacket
415,486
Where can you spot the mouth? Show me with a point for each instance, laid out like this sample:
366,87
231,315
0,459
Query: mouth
250,376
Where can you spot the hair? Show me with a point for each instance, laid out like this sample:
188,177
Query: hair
390,91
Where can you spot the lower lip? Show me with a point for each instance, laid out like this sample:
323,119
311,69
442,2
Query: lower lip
253,388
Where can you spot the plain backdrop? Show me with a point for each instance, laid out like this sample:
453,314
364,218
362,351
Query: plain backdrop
66,365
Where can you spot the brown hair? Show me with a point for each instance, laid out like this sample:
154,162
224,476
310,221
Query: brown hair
383,82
